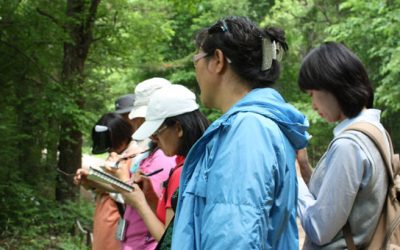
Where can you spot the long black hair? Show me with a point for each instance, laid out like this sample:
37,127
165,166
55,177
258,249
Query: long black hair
193,125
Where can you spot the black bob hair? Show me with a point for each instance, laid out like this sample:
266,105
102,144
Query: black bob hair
334,68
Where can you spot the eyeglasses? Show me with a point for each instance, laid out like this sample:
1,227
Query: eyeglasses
198,56
201,55
158,131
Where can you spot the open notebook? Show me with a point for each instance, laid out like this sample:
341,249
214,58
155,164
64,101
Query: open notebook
101,176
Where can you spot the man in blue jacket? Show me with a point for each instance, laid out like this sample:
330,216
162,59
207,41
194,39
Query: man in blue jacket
238,186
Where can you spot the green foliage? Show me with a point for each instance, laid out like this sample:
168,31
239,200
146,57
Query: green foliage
190,18
368,28
374,29
26,53
29,218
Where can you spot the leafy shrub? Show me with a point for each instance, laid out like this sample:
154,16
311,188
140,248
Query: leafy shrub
31,220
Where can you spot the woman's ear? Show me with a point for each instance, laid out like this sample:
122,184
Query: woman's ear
218,61
179,129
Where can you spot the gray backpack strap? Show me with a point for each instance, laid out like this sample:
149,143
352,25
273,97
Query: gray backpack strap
387,231
378,139
348,237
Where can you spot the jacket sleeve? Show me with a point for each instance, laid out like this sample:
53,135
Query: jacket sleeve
239,186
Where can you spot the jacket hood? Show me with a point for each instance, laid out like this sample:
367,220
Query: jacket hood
269,103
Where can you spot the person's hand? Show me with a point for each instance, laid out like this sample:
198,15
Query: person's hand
147,188
80,178
111,158
135,198
144,183
122,171
303,165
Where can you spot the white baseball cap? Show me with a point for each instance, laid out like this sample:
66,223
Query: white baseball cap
166,102
143,91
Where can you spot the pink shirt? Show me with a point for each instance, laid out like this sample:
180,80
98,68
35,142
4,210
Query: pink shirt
137,236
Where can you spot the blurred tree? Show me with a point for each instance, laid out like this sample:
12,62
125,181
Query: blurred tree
53,82
81,16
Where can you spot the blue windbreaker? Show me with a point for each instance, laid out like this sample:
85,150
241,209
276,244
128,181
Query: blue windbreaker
238,187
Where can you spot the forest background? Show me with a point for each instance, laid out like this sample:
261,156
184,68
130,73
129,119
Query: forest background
63,63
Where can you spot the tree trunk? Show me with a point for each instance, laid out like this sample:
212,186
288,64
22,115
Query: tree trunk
80,29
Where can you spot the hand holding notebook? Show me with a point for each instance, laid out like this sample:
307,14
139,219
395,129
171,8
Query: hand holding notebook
101,176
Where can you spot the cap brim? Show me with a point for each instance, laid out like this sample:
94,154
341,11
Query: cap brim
138,112
99,150
147,129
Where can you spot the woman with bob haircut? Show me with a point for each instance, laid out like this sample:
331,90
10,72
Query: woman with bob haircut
238,186
348,183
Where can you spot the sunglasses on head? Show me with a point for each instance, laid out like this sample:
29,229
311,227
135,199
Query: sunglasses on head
218,27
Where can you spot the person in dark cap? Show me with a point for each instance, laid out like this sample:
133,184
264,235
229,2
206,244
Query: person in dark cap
124,105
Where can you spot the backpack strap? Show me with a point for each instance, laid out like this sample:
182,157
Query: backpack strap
376,136
348,237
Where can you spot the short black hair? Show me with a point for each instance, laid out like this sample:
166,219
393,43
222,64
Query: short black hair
334,68
119,131
193,124
240,40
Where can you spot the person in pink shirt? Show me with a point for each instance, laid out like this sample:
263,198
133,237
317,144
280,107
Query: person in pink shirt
174,122
137,235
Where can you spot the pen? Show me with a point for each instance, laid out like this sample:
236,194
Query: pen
133,155
153,173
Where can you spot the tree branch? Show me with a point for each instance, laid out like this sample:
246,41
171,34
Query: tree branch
52,18
92,15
